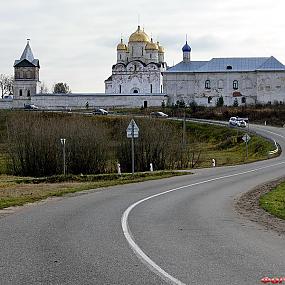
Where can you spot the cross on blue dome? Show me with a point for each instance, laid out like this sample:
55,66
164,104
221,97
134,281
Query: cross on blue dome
186,48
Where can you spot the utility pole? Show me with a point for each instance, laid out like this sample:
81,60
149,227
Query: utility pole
133,149
184,131
63,152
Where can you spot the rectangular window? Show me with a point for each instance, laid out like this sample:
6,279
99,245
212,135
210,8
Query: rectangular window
150,88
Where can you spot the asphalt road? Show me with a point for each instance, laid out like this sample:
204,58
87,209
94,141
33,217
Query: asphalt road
181,230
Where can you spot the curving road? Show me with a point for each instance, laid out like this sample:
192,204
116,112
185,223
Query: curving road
181,230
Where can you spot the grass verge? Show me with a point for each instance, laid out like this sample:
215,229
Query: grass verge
15,191
274,201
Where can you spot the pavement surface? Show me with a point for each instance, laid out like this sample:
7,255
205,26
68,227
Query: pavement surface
180,230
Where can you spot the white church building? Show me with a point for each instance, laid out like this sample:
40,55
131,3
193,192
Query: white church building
139,66
249,80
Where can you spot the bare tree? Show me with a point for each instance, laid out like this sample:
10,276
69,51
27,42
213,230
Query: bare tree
6,84
43,88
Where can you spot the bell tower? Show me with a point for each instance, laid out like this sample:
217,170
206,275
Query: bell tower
26,74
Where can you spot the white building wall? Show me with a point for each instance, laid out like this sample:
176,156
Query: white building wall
256,87
74,101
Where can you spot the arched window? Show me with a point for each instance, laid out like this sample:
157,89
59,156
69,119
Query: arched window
235,84
150,55
120,56
135,91
120,89
161,90
29,75
150,88
28,93
20,92
142,50
207,84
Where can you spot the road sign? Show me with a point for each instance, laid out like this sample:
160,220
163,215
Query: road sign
129,134
133,126
246,138
132,130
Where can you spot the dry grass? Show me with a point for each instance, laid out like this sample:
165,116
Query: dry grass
15,194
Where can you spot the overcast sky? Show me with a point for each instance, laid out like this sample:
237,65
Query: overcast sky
75,40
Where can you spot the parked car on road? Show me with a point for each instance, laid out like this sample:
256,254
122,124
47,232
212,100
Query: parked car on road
241,123
100,111
158,115
238,122
233,121
31,107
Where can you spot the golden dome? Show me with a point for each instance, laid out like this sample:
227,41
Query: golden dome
151,46
122,46
160,48
139,36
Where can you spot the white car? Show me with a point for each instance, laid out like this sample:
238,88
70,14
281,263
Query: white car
100,111
159,115
233,121
241,123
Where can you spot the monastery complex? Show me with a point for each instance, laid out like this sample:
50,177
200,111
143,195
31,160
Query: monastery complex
141,77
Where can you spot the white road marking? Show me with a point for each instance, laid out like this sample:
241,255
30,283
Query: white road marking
273,133
138,251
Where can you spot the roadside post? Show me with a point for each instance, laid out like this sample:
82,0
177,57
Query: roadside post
246,139
119,168
63,141
133,132
151,167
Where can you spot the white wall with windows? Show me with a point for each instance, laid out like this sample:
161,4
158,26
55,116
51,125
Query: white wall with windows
206,88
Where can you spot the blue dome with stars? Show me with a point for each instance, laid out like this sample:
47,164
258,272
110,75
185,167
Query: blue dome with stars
186,48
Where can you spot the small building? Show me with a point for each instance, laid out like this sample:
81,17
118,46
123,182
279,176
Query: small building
246,80
26,75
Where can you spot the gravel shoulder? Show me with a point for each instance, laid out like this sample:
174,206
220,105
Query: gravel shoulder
248,205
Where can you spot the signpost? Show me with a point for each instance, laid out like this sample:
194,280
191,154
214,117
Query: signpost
246,139
133,132
63,141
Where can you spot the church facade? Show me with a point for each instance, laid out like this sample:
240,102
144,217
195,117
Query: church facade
243,80
139,66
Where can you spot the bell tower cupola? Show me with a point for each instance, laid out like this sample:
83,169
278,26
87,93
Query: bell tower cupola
186,52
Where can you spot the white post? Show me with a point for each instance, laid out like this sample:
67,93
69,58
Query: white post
151,167
119,168
63,151
213,162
